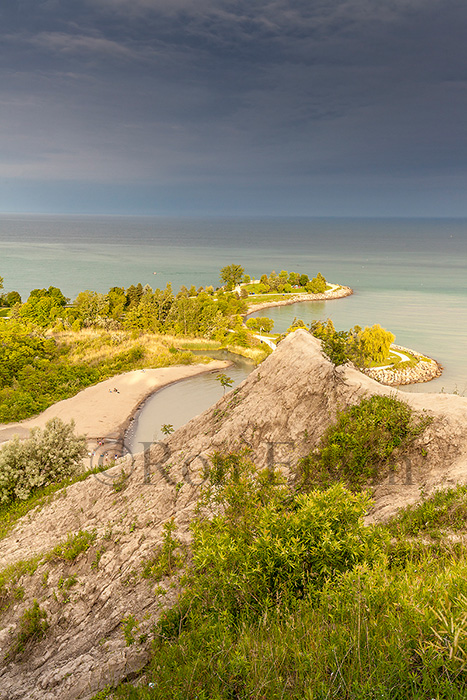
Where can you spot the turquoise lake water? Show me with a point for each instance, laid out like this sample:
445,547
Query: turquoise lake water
408,275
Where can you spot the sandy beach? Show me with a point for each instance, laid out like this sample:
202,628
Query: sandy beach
103,410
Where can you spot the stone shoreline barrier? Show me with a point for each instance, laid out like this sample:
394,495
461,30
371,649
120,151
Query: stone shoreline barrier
424,371
338,293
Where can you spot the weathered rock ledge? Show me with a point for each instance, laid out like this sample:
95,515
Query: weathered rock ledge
281,411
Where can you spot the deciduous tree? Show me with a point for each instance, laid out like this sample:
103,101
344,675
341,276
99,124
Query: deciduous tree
231,275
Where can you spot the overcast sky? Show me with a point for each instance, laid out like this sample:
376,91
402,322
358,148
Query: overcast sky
307,107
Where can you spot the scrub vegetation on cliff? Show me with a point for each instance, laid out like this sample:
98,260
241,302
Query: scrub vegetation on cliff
218,572
288,594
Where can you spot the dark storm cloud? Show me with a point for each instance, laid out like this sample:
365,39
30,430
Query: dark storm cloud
218,96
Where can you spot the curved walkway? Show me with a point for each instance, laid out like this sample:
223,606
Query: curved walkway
404,358
268,341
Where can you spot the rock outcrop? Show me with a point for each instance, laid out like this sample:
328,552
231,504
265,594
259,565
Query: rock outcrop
280,411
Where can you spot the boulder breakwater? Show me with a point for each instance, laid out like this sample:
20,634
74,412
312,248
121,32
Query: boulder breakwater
425,370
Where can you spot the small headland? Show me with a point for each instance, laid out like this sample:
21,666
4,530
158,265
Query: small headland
335,292
425,369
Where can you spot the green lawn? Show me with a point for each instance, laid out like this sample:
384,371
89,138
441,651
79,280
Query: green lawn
397,362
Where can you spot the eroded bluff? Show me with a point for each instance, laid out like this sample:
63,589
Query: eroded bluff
280,412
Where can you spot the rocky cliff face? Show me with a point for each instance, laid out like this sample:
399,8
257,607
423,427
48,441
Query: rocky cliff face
280,411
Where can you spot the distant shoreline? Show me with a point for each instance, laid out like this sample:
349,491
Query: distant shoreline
336,293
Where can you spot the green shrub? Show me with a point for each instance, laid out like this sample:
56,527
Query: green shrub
169,557
32,627
46,457
129,627
290,596
36,371
282,554
363,444
264,547
73,546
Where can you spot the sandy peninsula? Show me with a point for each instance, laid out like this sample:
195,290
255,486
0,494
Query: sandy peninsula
104,409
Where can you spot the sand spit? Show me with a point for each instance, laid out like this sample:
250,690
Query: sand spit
103,410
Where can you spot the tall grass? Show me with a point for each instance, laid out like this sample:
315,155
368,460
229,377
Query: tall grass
373,631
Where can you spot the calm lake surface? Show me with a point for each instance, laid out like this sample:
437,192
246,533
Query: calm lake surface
409,275
178,403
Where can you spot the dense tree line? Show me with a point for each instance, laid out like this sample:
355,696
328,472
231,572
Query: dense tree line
286,282
38,369
200,312
189,312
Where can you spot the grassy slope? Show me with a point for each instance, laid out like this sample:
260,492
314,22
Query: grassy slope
290,596
392,631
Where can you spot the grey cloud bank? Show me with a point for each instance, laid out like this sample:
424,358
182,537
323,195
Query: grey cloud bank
325,108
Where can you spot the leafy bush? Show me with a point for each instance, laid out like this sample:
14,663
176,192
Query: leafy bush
47,456
291,596
33,626
363,444
169,557
265,548
73,546
279,554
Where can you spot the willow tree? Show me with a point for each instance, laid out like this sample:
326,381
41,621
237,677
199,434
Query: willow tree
375,343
